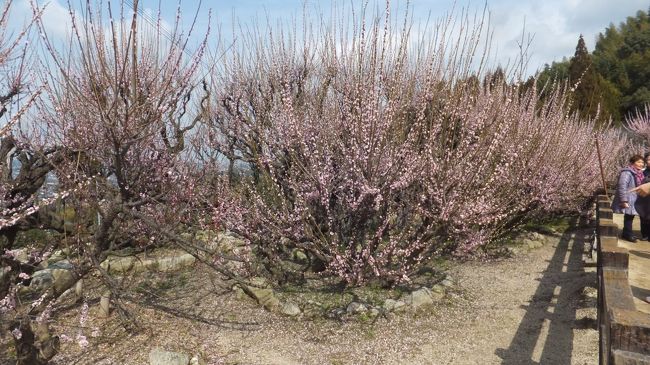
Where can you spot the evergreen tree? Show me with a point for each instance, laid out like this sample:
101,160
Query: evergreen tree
622,57
616,75
553,75
583,81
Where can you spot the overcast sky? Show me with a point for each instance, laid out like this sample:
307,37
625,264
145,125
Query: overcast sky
554,25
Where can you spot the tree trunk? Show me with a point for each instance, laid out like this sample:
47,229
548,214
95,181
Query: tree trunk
29,351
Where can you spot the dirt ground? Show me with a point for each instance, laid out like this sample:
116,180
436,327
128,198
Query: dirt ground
527,309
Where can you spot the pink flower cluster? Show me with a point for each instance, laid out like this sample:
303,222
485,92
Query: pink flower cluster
374,158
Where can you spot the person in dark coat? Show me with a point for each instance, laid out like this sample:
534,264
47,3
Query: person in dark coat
624,200
642,204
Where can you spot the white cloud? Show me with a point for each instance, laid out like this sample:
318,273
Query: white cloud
55,17
555,24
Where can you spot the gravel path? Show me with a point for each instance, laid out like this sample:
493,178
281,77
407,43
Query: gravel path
529,309
526,310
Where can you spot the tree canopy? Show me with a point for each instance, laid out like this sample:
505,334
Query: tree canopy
620,78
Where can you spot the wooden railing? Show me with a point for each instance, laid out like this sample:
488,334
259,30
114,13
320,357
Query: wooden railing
624,331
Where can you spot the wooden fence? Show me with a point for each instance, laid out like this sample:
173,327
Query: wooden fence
624,331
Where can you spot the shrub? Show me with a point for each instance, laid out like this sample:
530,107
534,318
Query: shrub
373,154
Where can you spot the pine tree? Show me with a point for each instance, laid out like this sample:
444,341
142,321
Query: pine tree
587,94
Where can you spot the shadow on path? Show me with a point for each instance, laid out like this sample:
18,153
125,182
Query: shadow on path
546,330
640,253
640,293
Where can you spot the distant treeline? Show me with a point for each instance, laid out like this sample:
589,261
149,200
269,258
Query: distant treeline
616,75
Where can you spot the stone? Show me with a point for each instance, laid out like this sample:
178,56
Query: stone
121,264
105,304
234,266
391,305
259,281
356,308
79,288
239,292
537,237
117,264
314,303
589,292
448,282
59,276
149,264
373,312
58,255
437,296
197,360
158,356
419,298
337,313
265,297
290,309
225,242
438,288
300,256
41,280
20,254
63,279
63,265
204,236
511,251
175,263
530,244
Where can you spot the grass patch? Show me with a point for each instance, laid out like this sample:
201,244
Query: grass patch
33,238
161,284
551,224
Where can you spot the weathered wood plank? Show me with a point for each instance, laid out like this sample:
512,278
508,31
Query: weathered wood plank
604,204
607,227
624,331
618,294
608,242
629,358
630,330
605,213
615,257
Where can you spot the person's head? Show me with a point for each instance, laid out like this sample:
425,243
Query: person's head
637,161
646,158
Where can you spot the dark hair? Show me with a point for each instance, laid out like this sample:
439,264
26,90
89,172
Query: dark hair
646,155
636,158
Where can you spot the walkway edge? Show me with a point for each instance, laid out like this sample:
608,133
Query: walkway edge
624,331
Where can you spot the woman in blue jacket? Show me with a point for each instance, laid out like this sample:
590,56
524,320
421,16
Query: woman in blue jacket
629,178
